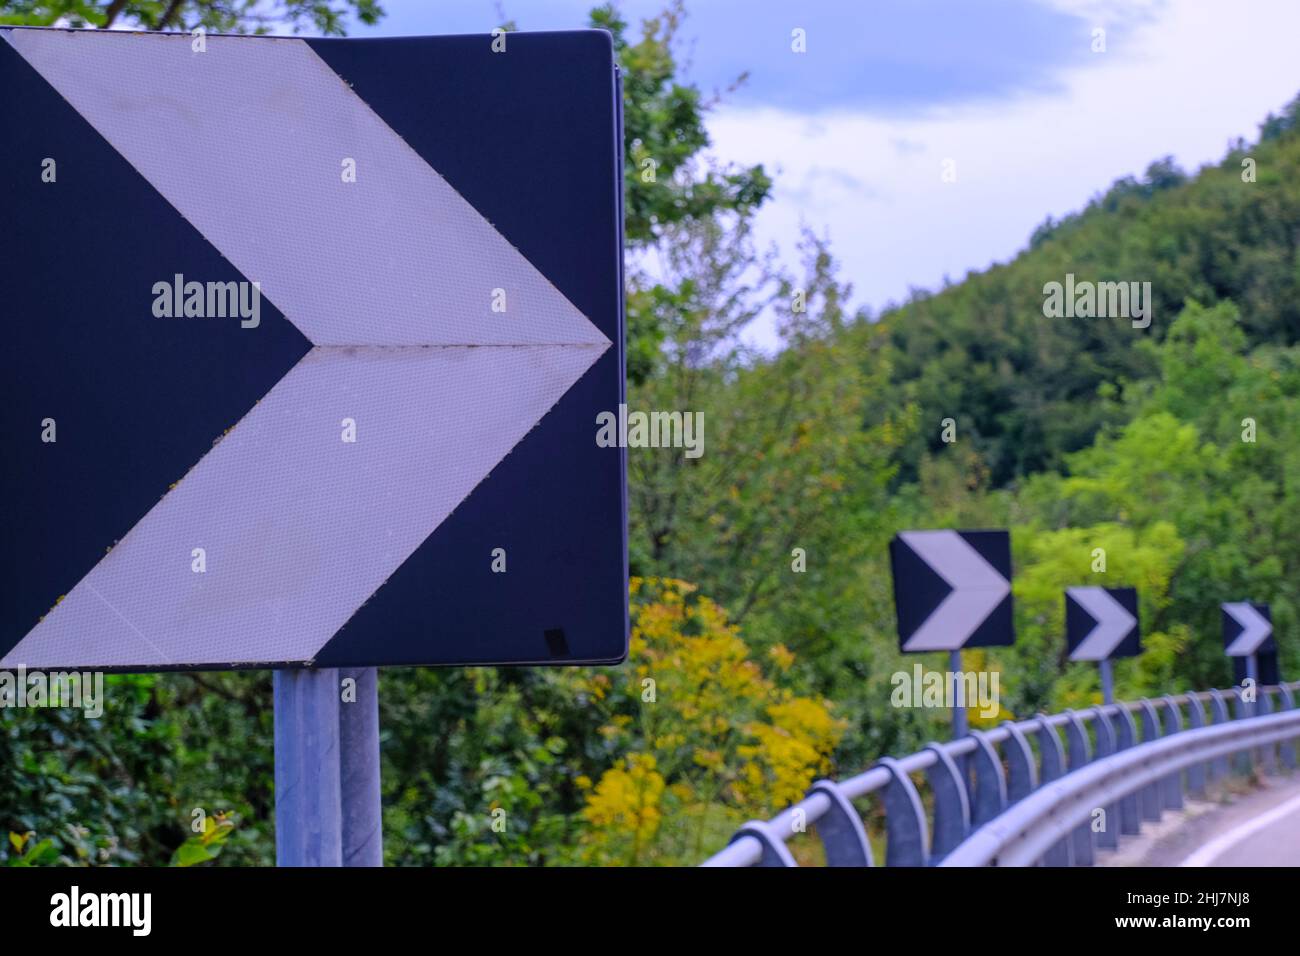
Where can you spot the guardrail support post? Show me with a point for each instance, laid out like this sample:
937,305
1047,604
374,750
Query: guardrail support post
1076,741
1108,835
1172,785
1196,772
1218,715
775,852
908,840
1266,754
1150,797
1052,765
951,805
990,781
1130,807
1287,748
1023,777
1241,710
841,831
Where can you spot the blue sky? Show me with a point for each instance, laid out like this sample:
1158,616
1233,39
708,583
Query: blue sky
1010,93
885,56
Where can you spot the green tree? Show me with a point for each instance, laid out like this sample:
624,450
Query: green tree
329,17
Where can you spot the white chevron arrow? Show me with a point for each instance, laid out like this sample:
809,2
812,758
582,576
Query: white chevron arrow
977,589
1255,629
391,278
1113,623
246,141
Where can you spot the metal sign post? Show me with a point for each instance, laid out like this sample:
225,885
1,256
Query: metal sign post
327,798
1107,681
959,721
308,819
359,795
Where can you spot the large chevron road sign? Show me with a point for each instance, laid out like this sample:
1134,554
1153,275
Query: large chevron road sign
1101,623
306,344
952,589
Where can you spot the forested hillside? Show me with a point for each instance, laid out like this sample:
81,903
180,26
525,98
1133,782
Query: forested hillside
764,636
1027,388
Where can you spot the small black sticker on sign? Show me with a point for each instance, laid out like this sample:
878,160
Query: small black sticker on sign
556,643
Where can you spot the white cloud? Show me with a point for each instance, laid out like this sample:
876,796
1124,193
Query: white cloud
1196,75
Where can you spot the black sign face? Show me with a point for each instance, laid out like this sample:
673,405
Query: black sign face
308,341
952,589
1102,623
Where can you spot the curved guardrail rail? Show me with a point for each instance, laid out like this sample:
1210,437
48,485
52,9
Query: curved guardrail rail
1024,833
977,780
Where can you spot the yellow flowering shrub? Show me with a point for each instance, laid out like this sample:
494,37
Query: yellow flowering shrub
627,799
704,737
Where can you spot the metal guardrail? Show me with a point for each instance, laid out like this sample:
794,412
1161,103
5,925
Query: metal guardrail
995,794
1026,831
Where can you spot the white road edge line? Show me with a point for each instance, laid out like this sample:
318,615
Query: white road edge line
1207,854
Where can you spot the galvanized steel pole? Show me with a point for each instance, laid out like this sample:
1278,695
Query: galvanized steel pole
327,800
958,706
308,822
363,837
1107,681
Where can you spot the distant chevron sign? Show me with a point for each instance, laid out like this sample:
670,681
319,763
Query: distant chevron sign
1101,623
952,589
1247,629
395,462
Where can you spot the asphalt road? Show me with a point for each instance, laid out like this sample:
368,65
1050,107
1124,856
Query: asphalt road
1269,838
1260,828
